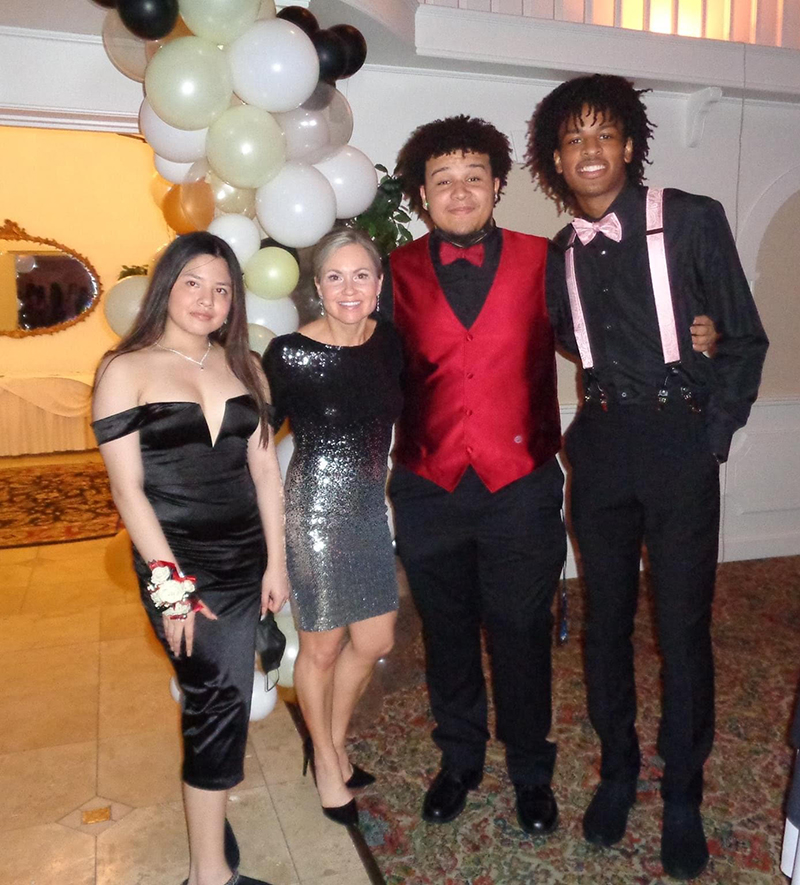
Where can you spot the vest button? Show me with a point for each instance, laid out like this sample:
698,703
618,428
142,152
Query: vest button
470,337
470,374
468,412
517,439
469,450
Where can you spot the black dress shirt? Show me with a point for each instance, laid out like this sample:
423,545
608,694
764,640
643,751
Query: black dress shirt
706,277
465,285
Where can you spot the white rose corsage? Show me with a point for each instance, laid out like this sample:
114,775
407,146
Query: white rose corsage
171,592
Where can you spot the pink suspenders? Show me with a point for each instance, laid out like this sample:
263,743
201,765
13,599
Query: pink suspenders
658,275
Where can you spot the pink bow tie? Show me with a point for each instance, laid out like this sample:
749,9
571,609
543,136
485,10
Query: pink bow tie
588,230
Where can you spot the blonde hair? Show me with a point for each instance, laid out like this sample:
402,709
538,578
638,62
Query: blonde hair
335,240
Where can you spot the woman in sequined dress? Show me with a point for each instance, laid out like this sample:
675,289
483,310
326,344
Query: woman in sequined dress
338,381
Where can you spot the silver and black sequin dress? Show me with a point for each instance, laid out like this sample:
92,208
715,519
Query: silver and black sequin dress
341,403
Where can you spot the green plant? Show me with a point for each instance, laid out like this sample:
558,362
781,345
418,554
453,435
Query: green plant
133,270
385,221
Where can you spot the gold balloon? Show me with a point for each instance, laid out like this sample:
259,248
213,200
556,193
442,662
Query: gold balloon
176,218
158,189
271,273
197,203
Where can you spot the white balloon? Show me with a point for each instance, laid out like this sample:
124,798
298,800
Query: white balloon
284,450
177,173
353,178
178,145
175,691
286,669
263,699
240,233
319,127
274,65
298,206
122,301
278,314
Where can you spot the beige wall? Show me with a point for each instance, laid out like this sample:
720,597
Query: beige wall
91,192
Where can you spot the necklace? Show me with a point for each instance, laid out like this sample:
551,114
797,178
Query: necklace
190,358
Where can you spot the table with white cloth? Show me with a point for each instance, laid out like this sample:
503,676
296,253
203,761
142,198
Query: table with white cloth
45,413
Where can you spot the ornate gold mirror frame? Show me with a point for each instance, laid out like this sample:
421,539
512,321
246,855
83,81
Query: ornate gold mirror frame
12,232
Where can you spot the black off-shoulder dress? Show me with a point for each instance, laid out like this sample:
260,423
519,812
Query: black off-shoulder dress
205,501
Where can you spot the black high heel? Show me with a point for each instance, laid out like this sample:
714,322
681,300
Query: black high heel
231,847
359,778
347,814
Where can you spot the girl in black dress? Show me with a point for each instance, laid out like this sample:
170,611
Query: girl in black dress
338,381
181,415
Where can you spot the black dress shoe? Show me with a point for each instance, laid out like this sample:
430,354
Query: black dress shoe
231,847
537,811
347,815
684,850
447,795
606,817
359,778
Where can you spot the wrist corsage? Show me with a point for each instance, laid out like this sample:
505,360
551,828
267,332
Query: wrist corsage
171,592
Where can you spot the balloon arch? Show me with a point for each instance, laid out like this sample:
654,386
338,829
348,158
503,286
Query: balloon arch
249,132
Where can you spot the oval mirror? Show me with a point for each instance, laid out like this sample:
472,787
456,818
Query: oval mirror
44,285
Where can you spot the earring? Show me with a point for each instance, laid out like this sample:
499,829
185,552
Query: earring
425,205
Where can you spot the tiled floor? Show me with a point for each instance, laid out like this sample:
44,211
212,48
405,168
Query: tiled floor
87,722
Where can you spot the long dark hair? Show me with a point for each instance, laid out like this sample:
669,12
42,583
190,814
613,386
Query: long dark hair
232,336
613,97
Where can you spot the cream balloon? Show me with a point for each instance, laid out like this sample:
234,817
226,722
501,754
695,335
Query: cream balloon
259,337
127,52
319,127
245,146
177,173
188,83
122,302
240,233
274,65
353,178
220,21
297,206
279,314
178,145
271,273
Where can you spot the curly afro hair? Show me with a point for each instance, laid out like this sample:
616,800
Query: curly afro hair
613,97
461,133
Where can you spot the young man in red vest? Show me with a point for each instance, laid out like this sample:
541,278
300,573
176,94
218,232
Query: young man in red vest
657,421
476,488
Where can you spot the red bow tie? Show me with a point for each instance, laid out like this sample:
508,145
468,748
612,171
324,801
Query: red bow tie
448,253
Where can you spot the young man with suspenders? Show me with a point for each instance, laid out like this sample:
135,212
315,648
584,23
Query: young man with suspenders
624,281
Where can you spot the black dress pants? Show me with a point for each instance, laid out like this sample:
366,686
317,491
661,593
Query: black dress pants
640,475
475,557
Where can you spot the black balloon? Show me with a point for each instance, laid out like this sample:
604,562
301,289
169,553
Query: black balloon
332,55
268,241
355,48
148,19
301,17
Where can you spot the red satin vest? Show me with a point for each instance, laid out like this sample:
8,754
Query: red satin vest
483,396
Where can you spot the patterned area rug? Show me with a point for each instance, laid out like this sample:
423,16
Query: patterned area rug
757,610
52,502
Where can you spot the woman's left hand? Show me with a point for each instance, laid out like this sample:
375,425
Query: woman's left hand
274,589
